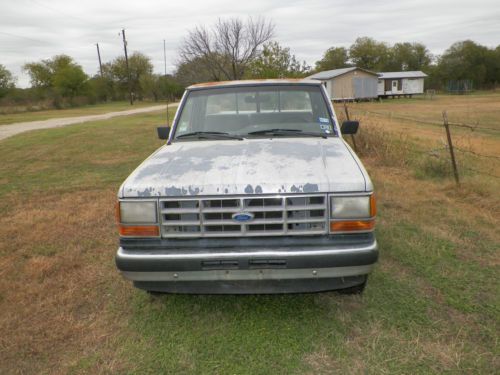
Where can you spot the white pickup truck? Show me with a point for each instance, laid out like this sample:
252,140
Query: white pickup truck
255,191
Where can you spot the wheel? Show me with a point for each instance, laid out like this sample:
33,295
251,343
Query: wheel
356,289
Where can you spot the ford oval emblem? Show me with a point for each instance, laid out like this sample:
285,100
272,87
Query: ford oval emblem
242,216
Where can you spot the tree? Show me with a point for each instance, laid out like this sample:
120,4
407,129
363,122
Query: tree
194,71
59,73
169,87
334,58
139,66
466,60
369,54
276,62
161,86
7,81
102,88
70,80
408,56
496,64
40,74
227,48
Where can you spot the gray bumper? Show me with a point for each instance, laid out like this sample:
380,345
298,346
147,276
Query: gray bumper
249,270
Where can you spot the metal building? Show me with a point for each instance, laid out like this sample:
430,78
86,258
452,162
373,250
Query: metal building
401,83
348,83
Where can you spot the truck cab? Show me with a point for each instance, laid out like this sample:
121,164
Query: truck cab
254,191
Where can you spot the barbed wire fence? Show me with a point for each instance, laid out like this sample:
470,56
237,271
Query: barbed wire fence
448,146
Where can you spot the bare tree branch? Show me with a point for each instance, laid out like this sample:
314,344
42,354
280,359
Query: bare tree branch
227,48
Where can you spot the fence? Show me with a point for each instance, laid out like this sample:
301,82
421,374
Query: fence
450,147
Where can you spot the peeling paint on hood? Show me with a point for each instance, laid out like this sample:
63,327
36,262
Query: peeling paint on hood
251,166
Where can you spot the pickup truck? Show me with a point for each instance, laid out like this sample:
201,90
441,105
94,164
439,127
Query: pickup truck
254,191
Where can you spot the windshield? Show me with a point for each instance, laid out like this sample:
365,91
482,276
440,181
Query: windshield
255,111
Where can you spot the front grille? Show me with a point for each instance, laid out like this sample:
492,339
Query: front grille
284,215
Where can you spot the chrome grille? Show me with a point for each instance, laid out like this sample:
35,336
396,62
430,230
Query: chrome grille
283,215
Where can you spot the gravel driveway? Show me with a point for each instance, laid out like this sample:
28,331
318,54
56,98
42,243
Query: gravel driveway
20,127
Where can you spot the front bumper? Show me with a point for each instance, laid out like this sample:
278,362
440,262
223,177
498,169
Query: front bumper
305,266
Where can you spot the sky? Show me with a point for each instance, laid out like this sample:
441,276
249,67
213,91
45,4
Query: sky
32,30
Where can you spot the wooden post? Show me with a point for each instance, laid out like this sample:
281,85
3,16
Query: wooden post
346,110
450,145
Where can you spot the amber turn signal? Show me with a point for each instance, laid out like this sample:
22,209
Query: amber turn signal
373,205
351,225
139,230
117,212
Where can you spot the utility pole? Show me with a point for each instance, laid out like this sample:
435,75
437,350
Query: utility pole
128,70
165,57
99,56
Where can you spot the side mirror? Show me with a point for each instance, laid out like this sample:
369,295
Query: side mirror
163,132
349,127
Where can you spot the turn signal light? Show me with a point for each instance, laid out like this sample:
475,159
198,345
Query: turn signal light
373,205
139,230
352,225
117,212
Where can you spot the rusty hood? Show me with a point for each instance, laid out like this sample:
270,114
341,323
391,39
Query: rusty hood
249,166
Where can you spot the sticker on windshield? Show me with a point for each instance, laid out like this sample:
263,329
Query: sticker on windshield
323,120
326,128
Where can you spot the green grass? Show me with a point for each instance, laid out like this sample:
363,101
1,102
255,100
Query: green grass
9,118
431,305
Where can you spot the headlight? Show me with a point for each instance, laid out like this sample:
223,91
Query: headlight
349,207
138,212
137,219
352,213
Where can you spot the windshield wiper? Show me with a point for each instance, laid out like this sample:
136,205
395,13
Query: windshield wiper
287,132
210,135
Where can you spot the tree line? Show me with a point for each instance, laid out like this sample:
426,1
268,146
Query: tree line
464,60
241,49
62,81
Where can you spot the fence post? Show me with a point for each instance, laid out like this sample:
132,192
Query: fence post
450,145
346,110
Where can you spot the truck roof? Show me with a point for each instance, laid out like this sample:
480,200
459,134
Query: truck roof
253,82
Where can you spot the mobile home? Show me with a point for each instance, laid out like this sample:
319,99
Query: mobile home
400,83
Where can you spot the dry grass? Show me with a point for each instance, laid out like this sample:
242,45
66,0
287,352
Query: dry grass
431,306
56,303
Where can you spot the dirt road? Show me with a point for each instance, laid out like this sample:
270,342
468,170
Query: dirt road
21,127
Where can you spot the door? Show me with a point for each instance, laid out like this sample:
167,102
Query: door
394,86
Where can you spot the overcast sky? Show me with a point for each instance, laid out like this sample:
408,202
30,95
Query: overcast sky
31,30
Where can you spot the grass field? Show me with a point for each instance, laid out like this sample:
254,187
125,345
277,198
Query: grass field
431,306
96,109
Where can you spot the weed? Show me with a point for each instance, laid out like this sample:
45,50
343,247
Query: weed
435,166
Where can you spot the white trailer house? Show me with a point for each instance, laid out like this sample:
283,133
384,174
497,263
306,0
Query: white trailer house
348,83
400,83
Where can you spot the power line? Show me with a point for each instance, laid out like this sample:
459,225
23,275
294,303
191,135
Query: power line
62,13
24,37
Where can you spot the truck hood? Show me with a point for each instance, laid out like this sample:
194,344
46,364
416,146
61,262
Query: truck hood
250,166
